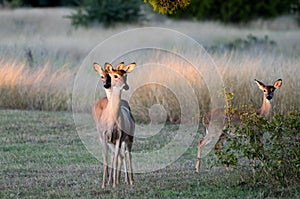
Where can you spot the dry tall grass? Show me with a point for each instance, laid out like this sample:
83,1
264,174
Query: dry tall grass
35,88
51,39
238,71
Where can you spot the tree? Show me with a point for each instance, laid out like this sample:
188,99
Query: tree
107,12
168,6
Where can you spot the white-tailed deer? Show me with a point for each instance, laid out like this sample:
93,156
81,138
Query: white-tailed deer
114,121
126,140
220,118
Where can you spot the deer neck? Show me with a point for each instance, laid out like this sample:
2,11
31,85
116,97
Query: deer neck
265,108
108,93
113,105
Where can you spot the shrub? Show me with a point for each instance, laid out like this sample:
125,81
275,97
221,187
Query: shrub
39,3
270,148
251,42
107,12
12,3
235,11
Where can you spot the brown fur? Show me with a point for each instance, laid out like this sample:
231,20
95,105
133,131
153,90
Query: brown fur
110,117
221,119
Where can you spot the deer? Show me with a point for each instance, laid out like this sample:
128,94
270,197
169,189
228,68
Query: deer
114,121
221,120
97,111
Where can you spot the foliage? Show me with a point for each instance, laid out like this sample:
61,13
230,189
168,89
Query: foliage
244,44
235,11
11,3
107,12
270,148
295,10
168,6
38,3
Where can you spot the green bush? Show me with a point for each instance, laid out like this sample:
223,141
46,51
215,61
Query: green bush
12,3
250,42
269,148
235,11
38,3
107,12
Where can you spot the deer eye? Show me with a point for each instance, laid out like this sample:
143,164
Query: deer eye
102,77
115,76
265,90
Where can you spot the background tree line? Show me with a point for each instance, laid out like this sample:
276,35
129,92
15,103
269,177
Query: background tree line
110,11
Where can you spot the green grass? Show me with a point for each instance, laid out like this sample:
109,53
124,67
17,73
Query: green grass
42,156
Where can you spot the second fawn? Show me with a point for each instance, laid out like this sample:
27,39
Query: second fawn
221,120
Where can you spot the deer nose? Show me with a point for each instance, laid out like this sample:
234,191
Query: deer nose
269,97
126,87
107,86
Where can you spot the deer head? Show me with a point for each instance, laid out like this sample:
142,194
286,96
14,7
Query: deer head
269,89
119,75
120,69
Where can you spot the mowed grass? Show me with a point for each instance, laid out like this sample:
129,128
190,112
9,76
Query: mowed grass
42,156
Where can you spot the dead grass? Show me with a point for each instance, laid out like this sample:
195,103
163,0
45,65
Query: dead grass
48,86
35,88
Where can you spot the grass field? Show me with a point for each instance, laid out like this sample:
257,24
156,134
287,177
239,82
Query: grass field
43,157
41,154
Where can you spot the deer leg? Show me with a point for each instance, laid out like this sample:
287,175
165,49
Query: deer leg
201,143
131,180
119,169
105,166
116,162
111,168
123,156
128,157
125,171
220,143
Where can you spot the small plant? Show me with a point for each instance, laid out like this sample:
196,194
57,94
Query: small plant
107,12
235,11
244,44
269,148
12,3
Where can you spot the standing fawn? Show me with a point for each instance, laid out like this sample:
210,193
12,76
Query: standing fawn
126,140
114,121
220,118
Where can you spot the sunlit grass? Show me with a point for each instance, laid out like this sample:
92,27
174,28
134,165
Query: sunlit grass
38,81
44,88
41,88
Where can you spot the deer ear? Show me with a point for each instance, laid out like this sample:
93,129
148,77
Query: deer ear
120,66
260,84
108,67
98,68
129,67
278,83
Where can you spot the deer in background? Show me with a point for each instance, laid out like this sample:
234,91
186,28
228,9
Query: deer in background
220,118
114,121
